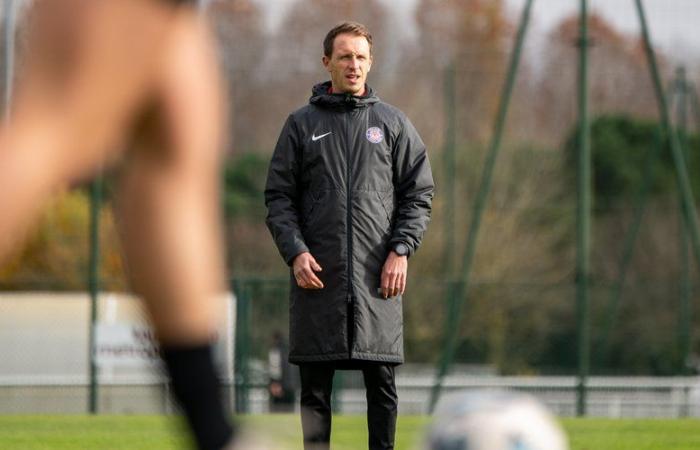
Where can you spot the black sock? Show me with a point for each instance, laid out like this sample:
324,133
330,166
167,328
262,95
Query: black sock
196,387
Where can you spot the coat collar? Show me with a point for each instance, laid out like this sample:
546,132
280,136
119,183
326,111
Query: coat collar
321,97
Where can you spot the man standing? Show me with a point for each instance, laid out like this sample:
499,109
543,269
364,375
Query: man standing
349,194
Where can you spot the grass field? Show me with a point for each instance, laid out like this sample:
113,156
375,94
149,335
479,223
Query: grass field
155,433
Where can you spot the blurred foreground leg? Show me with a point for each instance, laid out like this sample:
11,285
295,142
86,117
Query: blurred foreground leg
99,73
169,209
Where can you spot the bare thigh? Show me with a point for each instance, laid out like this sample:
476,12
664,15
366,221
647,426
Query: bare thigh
81,81
90,67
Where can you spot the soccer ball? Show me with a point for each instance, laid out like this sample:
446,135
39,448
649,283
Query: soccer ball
494,421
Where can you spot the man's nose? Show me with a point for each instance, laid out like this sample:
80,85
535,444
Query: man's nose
354,63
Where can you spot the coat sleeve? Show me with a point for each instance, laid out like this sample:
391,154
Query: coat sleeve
414,187
282,194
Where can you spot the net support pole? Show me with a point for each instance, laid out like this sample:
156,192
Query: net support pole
583,219
460,291
695,106
684,312
449,171
681,169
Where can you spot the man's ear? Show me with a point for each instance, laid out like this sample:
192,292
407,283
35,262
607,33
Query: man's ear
325,60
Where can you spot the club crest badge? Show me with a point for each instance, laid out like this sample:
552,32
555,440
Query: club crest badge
374,135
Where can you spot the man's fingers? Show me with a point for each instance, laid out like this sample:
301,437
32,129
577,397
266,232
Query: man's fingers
302,279
308,280
393,284
315,281
304,267
388,286
385,288
400,284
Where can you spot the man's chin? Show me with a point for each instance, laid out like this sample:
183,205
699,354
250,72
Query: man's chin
351,88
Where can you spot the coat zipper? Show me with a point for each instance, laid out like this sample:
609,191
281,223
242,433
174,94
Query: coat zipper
351,290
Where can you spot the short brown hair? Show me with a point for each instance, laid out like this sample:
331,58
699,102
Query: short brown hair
346,27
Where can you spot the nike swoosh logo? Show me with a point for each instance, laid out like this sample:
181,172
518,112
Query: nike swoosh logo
316,138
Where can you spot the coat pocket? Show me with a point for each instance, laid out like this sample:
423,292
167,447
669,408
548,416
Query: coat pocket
309,208
386,199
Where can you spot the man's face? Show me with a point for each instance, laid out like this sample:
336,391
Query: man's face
349,64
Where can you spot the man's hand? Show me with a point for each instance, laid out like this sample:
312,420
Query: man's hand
393,280
304,266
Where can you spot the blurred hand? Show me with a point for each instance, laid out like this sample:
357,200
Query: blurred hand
304,268
275,389
393,281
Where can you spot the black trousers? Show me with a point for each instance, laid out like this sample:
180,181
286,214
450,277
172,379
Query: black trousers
382,402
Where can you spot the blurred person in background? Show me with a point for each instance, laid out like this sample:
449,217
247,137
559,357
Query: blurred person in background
282,382
349,194
104,76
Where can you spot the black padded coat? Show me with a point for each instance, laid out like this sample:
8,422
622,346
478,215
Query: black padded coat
349,178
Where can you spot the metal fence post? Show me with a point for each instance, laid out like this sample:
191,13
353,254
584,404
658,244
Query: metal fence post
94,284
242,291
583,213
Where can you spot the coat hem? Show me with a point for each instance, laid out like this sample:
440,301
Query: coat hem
296,359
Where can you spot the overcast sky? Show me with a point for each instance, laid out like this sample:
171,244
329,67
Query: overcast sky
674,24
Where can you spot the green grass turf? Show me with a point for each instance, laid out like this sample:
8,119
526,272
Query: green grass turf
627,434
155,433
